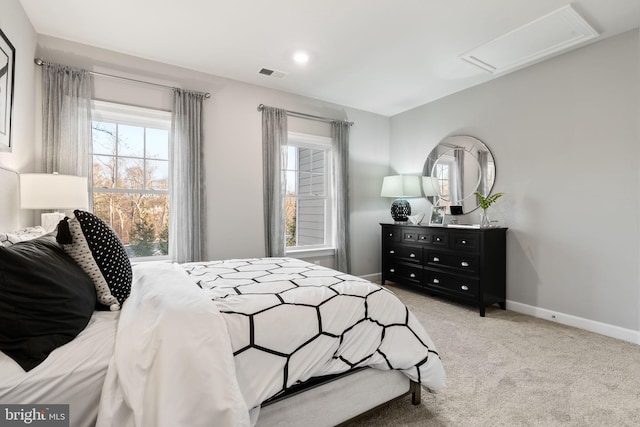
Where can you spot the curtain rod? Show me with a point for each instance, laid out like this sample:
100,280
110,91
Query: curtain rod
40,62
306,116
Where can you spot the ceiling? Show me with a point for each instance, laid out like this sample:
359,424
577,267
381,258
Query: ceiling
382,56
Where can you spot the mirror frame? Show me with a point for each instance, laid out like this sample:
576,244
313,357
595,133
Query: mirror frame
446,150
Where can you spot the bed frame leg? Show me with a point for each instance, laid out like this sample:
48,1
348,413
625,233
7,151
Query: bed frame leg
416,392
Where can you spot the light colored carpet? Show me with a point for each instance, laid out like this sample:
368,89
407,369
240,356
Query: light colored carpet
509,369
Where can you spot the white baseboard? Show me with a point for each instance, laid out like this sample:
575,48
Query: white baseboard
577,322
612,331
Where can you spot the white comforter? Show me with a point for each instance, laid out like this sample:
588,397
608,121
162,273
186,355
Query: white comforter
203,343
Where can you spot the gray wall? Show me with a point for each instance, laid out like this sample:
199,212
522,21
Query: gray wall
564,134
16,26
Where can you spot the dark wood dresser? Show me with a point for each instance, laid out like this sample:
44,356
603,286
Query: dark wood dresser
468,265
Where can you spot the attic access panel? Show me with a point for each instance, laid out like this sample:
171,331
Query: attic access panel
552,33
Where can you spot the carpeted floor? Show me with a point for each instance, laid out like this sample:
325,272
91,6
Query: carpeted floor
508,369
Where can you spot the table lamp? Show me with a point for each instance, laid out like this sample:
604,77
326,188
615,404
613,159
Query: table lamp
53,192
400,187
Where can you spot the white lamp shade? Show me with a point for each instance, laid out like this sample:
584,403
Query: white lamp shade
401,186
430,186
53,191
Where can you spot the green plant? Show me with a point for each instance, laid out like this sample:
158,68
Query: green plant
487,201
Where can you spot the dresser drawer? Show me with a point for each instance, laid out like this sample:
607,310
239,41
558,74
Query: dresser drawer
468,264
452,284
405,272
424,238
403,252
391,235
409,235
440,239
465,241
409,253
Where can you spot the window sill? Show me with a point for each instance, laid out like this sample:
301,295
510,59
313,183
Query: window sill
140,260
310,253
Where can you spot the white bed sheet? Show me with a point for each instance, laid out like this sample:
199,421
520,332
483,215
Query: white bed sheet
72,374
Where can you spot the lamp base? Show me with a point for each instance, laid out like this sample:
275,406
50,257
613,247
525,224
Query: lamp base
49,221
400,210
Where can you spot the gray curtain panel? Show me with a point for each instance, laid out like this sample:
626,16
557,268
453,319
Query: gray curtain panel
186,186
66,120
340,135
274,138
483,160
458,183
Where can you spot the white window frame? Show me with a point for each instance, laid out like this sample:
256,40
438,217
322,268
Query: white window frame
147,117
324,143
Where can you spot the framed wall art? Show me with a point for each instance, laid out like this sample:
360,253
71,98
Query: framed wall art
7,71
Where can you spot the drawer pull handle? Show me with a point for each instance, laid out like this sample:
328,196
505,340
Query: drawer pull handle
390,234
412,275
436,281
436,259
464,287
464,242
392,252
412,256
437,239
464,264
409,236
392,270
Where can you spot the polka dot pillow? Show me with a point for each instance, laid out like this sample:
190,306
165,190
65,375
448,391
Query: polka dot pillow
96,248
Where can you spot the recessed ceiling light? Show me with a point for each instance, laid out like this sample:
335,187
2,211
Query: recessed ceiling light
301,57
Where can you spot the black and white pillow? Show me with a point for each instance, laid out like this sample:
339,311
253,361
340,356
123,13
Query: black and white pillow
96,248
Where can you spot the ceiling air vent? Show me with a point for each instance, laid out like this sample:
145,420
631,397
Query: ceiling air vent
543,37
272,73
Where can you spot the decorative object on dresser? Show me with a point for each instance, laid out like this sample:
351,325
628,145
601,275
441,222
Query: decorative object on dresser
401,187
437,216
53,191
467,265
485,202
417,218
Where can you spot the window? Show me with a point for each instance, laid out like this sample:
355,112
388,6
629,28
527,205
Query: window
131,175
309,203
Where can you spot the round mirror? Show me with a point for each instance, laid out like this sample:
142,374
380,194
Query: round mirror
454,170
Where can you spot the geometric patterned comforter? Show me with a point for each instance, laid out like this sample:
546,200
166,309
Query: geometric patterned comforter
292,320
203,344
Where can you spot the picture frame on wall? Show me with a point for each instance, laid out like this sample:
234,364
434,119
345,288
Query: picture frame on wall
7,73
437,216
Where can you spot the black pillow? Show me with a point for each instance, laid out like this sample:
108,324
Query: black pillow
96,248
46,300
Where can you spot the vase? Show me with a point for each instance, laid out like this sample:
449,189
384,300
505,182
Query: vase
485,222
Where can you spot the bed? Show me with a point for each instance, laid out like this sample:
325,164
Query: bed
262,341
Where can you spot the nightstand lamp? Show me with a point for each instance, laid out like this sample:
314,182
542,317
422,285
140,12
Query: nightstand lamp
53,192
400,187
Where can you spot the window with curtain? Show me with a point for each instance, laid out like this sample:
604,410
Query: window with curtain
130,153
309,201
